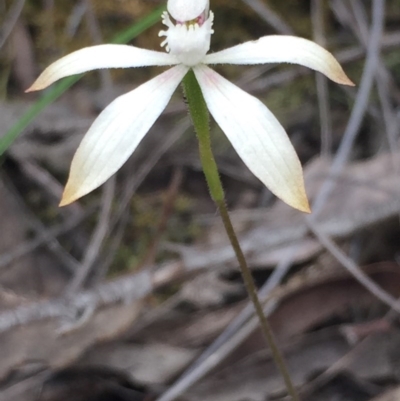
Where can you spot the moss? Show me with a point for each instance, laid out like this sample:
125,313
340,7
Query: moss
142,228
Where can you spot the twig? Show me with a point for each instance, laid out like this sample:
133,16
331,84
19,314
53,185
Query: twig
97,38
48,23
10,20
382,80
317,19
170,138
353,269
269,16
120,220
45,236
167,209
53,245
131,287
75,18
128,288
28,385
102,228
40,176
114,244
96,242
350,134
237,331
225,349
48,183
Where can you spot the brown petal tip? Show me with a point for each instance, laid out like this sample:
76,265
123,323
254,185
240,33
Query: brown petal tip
35,87
346,81
304,206
67,198
30,89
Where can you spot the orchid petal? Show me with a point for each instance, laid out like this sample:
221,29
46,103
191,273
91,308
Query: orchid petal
116,133
256,135
186,10
282,49
102,56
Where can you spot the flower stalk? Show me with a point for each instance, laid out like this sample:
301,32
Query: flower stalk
200,118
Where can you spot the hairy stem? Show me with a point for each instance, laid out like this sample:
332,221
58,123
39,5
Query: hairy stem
199,113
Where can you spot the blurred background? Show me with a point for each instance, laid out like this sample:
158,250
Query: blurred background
133,292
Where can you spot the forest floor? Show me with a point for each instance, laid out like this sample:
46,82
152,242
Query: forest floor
133,292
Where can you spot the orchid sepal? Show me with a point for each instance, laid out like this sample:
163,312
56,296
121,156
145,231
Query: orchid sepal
98,57
282,49
117,132
257,136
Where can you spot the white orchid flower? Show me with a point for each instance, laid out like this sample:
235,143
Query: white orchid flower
257,136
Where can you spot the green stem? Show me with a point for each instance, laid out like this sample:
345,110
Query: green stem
199,113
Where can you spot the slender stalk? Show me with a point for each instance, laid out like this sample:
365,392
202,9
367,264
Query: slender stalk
199,114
